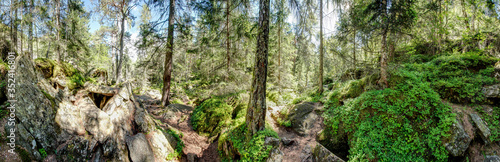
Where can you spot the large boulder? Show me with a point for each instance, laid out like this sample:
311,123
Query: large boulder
303,117
482,129
139,148
161,145
35,111
458,141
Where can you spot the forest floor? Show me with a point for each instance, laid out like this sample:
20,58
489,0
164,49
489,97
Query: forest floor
199,148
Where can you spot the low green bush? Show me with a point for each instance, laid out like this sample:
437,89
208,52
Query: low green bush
249,150
406,122
211,116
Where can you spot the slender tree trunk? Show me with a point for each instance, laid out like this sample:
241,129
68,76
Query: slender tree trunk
21,28
167,75
15,24
228,44
354,49
383,57
280,12
256,112
120,55
30,29
320,88
58,31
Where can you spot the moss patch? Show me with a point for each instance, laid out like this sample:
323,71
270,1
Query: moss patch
406,122
53,69
211,116
233,145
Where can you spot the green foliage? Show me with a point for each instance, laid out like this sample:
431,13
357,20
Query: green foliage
458,78
177,101
53,69
252,150
43,153
404,123
211,116
178,147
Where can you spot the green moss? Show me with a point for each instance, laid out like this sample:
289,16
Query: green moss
492,120
458,78
406,122
52,69
25,155
211,116
252,150
178,147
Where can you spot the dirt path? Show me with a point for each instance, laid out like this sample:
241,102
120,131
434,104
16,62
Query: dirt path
196,147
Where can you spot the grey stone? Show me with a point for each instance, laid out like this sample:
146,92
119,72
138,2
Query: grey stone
459,140
275,142
484,131
276,155
302,117
492,91
492,158
320,153
139,149
287,141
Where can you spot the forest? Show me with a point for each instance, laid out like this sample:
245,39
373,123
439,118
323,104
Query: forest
241,80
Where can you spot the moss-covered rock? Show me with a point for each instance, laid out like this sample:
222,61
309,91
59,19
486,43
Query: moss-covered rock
62,73
211,116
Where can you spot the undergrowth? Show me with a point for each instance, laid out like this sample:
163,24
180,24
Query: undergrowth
211,116
406,122
252,150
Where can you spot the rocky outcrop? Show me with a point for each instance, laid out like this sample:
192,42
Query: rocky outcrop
482,129
35,110
458,141
72,129
276,155
492,91
303,117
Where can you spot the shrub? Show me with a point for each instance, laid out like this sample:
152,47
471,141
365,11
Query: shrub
249,150
211,116
403,123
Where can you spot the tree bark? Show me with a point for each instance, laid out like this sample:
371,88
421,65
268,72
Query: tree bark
228,44
30,29
320,84
383,57
120,55
168,56
280,12
58,28
256,112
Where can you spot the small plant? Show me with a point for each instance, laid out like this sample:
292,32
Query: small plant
43,153
178,147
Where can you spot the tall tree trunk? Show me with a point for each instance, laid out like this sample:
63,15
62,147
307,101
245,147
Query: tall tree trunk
30,29
58,31
167,74
256,112
14,7
120,55
354,49
280,12
228,44
320,84
21,27
383,57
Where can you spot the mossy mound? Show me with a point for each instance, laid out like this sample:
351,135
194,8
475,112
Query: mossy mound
52,70
458,78
406,122
211,116
233,145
